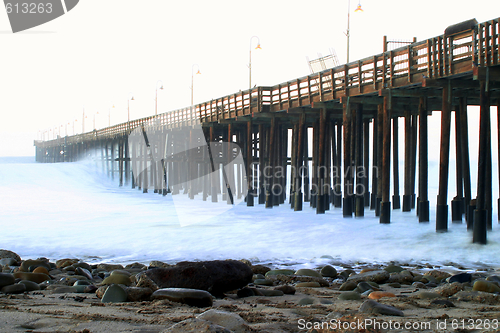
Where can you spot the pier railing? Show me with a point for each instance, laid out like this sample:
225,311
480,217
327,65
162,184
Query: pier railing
437,57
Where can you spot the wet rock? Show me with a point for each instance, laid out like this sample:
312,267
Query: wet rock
114,294
260,269
61,263
393,269
286,289
402,277
145,281
380,294
329,271
35,277
8,262
263,282
196,325
363,286
487,286
346,273
231,321
26,264
216,276
374,307
349,296
446,290
460,278
136,294
9,254
83,272
6,279
438,275
117,279
136,265
41,269
100,291
193,297
109,267
280,272
246,292
378,276
30,285
348,285
308,272
158,264
14,289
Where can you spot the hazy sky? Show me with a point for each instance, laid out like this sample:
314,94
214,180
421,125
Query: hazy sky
99,53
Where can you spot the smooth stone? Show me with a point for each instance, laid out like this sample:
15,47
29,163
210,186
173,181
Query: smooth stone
267,292
193,297
61,263
487,286
346,273
137,265
6,279
260,269
117,279
394,285
41,269
363,286
280,272
393,269
137,294
229,320
100,291
35,277
374,307
158,264
83,272
427,295
438,275
286,289
9,254
30,285
493,278
109,267
448,289
263,282
26,264
81,283
380,294
145,281
349,296
8,262
196,325
306,301
90,289
257,277
403,277
83,265
308,272
120,271
79,288
217,276
14,288
246,292
114,294
307,285
348,286
329,271
461,278
378,276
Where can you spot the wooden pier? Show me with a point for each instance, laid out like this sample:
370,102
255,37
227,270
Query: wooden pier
336,112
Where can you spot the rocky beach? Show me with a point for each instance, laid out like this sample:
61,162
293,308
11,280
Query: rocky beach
71,295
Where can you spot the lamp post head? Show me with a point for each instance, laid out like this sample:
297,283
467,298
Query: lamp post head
358,8
198,72
258,47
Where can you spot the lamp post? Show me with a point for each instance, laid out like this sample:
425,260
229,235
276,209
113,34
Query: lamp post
348,32
192,81
109,115
131,98
94,117
156,96
250,60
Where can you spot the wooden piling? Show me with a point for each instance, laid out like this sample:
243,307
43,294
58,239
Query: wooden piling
444,160
299,166
457,204
396,199
366,161
347,207
337,190
407,168
423,198
321,181
385,205
359,207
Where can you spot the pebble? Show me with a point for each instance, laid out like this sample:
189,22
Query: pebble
449,289
14,289
83,272
329,271
427,295
461,278
393,269
137,294
280,272
307,285
26,264
263,282
438,275
349,296
378,276
117,279
30,285
306,301
109,267
260,269
6,279
362,287
229,320
487,286
193,297
348,285
380,294
267,292
286,289
8,262
308,272
9,254
374,307
35,277
478,297
114,294
402,277
41,269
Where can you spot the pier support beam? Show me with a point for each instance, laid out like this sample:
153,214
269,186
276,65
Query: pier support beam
347,208
385,206
396,199
480,214
320,168
423,196
299,166
337,188
407,171
360,173
444,161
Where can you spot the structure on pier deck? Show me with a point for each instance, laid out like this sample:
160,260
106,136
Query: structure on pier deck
447,73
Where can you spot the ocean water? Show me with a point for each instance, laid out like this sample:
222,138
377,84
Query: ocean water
72,210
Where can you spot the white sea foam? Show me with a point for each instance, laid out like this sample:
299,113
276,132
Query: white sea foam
72,210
